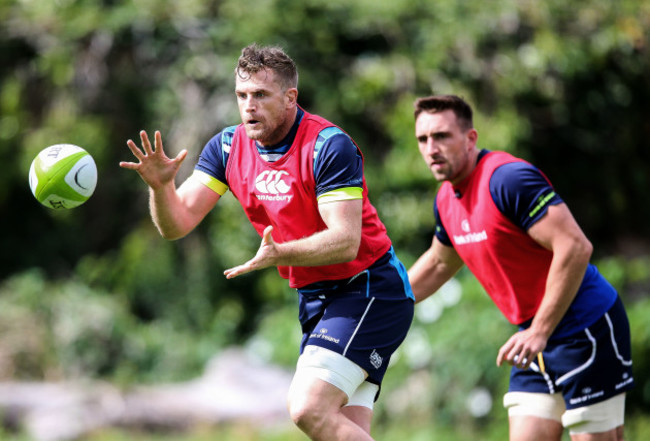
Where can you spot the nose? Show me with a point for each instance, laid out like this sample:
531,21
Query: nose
431,146
248,103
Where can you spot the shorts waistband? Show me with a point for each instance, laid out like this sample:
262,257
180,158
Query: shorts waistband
322,287
317,288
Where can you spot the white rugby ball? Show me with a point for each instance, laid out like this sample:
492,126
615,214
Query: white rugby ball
63,176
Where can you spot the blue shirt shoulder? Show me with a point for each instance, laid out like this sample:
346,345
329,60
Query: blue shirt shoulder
337,162
214,156
522,193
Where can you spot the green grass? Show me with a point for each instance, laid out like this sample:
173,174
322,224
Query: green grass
636,429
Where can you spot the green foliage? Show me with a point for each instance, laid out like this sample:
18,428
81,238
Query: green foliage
639,397
58,330
64,330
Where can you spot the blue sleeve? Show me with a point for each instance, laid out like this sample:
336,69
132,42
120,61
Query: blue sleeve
522,193
337,162
214,156
440,232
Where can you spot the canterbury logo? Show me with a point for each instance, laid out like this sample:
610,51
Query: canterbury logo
272,186
270,182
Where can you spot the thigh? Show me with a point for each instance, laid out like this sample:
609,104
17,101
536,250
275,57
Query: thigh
600,418
323,379
532,428
364,318
365,330
359,415
588,367
331,367
599,364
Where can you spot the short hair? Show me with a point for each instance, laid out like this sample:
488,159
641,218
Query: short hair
256,58
440,103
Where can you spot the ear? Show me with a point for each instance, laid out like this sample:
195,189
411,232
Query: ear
291,96
472,137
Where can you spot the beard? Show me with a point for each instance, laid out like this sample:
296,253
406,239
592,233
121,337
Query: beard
256,133
266,134
441,172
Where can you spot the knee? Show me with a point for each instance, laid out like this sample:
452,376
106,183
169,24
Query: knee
306,416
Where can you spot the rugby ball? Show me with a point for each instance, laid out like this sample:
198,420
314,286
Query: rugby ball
63,176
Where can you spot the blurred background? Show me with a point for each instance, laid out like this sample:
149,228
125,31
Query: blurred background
98,313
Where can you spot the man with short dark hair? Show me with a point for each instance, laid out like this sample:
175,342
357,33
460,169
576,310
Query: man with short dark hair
501,217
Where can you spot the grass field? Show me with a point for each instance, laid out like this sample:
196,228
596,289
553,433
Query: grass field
637,429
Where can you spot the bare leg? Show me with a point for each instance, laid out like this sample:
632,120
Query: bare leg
532,428
360,415
611,435
316,407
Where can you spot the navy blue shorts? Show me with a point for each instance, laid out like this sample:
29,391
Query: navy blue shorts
588,367
364,318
